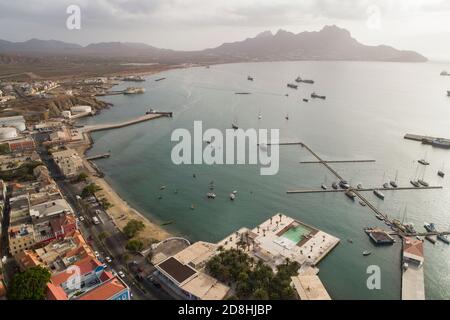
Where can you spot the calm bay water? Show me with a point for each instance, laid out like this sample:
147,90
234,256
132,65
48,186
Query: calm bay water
369,108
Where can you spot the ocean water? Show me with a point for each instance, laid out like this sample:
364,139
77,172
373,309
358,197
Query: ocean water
369,108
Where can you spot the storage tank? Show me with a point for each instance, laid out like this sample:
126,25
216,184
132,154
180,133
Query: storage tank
66,114
7,133
81,109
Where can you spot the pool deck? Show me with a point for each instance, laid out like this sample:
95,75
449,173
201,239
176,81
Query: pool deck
266,242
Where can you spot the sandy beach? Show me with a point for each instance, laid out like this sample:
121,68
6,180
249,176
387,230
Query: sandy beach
121,212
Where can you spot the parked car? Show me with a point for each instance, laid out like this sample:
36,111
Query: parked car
96,254
108,259
121,274
81,218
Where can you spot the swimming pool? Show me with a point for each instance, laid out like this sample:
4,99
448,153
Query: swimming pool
296,233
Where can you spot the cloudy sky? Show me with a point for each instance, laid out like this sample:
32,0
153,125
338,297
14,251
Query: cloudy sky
422,25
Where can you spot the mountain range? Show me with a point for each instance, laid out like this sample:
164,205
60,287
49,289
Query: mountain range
330,43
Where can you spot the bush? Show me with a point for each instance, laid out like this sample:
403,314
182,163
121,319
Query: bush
29,285
135,246
22,173
133,227
81,177
4,148
105,203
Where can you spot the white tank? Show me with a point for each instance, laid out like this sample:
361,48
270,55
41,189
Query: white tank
7,133
81,109
66,114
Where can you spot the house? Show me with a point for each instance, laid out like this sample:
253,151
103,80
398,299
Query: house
94,283
22,145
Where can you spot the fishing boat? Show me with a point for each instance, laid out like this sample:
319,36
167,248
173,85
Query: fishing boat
344,184
292,86
315,95
232,196
379,194
366,253
334,185
211,195
350,194
432,239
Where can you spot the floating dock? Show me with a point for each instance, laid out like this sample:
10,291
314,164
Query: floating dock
99,156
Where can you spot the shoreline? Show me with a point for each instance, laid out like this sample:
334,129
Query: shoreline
121,212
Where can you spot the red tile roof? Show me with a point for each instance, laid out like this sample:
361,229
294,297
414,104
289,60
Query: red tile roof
413,246
105,291
86,265
55,292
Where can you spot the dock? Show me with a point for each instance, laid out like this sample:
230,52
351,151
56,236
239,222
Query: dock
433,141
99,156
362,189
338,161
144,118
413,284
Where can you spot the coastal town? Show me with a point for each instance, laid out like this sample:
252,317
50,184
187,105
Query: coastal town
58,213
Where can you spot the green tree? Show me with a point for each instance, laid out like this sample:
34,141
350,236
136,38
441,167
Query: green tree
90,190
29,285
103,235
133,227
135,246
81,177
105,203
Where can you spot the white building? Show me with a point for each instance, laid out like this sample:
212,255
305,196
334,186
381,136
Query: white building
17,122
8,133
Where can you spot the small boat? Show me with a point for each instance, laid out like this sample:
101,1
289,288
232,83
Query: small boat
243,93
235,127
334,185
287,117
232,196
344,184
379,194
162,187
192,206
431,239
423,162
250,78
298,80
359,186
150,111
430,227
350,240
385,185
315,95
292,86
305,100
393,184
235,192
415,183
366,253
260,116
160,79
194,175
211,195
445,73
362,203
423,183
379,217
324,187
443,238
441,173
167,223
350,194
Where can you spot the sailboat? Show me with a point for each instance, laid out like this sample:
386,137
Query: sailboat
324,185
423,161
394,182
378,193
414,181
234,124
422,181
408,226
441,172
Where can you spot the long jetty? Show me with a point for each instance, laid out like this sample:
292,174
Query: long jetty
362,189
144,118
